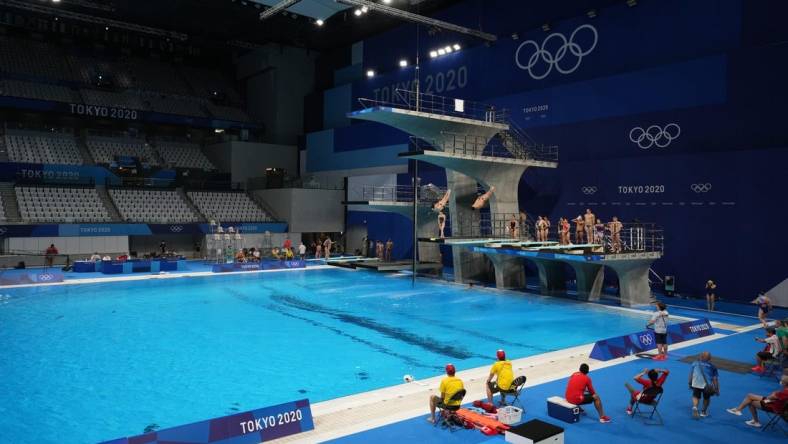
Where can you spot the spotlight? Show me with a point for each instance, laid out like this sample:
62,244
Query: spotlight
371,73
319,22
448,49
357,12
55,1
364,9
403,63
591,13
441,51
457,47
515,36
545,27
632,3
218,130
433,54
387,1
106,28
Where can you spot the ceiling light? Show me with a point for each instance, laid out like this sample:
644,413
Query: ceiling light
457,47
387,1
357,12
319,22
545,27
371,73
364,9
448,49
55,1
433,54
403,63
441,51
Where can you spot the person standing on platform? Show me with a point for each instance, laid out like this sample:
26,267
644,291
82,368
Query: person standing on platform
379,250
364,246
565,230
302,250
704,383
615,234
389,249
659,320
599,232
523,220
512,228
579,230
589,219
764,307
49,255
711,294
546,228
538,228
163,247
327,247
580,391
441,224
318,250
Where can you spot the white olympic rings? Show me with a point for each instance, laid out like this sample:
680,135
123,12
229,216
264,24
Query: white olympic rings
176,228
541,53
701,187
646,339
45,277
654,135
588,190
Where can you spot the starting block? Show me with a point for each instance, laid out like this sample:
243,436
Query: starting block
559,408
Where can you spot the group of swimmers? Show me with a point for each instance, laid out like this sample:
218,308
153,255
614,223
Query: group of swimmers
323,248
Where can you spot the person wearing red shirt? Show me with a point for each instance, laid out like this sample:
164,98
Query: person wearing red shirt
49,255
773,403
656,377
580,391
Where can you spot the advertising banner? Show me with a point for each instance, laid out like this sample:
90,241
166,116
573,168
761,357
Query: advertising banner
643,341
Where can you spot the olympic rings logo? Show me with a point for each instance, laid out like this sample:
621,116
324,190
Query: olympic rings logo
700,187
654,135
542,54
646,339
45,277
176,228
588,190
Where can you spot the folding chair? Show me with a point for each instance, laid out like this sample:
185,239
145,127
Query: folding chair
514,390
448,413
774,367
775,419
650,397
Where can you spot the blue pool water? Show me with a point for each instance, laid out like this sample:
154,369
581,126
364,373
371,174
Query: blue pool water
84,363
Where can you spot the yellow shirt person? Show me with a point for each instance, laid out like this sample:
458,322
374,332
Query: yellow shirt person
503,374
449,387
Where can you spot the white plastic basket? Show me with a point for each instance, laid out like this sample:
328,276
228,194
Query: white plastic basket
510,414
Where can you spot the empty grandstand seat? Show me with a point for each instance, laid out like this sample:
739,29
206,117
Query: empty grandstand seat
45,148
158,206
183,155
51,204
227,206
39,91
112,99
106,149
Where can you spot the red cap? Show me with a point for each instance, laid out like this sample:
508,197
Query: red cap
501,355
450,369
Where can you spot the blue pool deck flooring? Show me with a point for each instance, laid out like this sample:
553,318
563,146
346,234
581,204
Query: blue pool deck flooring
679,427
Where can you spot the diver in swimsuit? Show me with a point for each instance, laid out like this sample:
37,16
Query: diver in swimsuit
711,286
764,307
441,204
441,223
481,200
615,234
579,230
588,221
513,227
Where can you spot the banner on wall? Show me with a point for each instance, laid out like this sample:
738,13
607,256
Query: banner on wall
72,230
256,266
30,277
250,427
643,341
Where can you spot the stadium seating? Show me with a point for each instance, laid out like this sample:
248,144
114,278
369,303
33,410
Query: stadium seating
154,206
112,99
228,113
206,82
106,149
88,69
154,75
47,148
49,204
31,58
39,91
2,210
181,105
227,207
183,155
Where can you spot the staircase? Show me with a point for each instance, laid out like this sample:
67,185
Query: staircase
108,203
10,204
191,205
272,217
522,146
87,158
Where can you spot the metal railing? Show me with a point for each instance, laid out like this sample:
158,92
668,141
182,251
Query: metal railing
504,145
445,106
401,193
491,225
517,140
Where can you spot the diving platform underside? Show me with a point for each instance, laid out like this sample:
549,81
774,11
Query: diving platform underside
426,125
402,208
382,266
477,166
586,261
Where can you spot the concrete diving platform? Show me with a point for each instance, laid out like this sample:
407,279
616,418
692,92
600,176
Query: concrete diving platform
383,266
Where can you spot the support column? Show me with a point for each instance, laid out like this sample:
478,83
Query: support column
632,280
590,278
509,271
428,227
552,278
463,193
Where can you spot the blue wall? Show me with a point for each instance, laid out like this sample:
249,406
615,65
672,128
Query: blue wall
711,72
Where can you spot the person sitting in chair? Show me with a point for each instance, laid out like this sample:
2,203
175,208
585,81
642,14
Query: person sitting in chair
580,391
656,377
502,372
773,403
773,349
450,385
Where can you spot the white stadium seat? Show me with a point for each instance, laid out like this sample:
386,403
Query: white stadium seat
155,206
51,204
227,207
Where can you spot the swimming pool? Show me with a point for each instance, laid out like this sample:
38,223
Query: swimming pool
84,363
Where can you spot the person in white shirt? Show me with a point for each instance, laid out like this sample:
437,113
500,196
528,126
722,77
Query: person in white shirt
772,351
302,250
659,320
95,257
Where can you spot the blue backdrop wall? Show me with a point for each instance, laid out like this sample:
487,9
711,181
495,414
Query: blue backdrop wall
670,111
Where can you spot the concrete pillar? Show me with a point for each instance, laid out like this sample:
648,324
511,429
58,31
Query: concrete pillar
509,271
552,276
427,226
467,264
590,278
632,280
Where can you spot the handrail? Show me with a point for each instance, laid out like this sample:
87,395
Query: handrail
401,193
441,105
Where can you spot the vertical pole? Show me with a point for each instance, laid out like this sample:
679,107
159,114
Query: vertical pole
415,218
